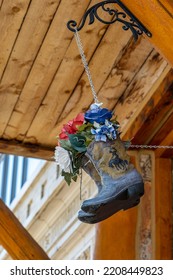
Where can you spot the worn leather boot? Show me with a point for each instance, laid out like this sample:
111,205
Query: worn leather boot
125,200
120,185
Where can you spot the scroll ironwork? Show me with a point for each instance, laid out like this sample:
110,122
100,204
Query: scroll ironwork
128,20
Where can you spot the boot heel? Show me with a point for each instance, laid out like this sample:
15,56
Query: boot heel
132,204
136,190
134,194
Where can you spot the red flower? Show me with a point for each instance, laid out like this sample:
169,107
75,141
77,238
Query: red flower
71,127
63,136
78,121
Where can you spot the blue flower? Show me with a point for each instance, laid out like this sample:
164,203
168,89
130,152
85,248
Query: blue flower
97,114
104,131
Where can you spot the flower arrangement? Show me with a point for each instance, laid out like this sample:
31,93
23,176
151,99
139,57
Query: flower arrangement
96,124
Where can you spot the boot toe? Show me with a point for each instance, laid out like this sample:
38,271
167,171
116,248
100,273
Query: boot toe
90,206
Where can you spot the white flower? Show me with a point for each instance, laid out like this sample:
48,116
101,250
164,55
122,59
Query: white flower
62,158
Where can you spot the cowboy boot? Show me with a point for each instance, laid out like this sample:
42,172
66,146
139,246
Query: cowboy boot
90,169
121,184
111,208
108,209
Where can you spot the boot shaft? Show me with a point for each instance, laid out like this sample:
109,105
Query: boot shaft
109,158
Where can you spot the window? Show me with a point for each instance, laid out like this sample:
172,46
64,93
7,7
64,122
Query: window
14,172
43,190
28,212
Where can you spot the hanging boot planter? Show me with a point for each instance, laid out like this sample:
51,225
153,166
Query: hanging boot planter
92,142
120,185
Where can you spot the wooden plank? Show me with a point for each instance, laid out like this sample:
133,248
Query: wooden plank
11,18
162,132
27,45
44,69
1,2
168,141
167,5
15,238
160,136
163,209
56,112
158,117
26,150
138,90
153,113
157,16
129,62
168,153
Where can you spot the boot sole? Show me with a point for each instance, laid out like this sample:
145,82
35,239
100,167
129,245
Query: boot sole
107,210
123,198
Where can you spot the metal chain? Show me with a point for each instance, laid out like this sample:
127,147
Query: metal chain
150,147
85,63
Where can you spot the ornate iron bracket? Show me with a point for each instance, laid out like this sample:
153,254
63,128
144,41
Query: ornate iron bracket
136,27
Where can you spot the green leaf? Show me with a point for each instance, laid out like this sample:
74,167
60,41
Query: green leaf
78,142
67,177
89,140
66,145
84,127
74,178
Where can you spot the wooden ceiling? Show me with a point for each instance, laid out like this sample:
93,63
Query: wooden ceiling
42,79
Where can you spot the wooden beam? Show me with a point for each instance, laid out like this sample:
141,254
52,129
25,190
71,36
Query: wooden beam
163,131
11,19
75,97
140,89
164,136
157,16
157,120
18,110
116,236
163,209
146,221
15,238
152,112
168,141
22,57
26,150
124,71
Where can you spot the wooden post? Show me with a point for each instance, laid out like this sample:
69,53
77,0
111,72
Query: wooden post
15,238
132,234
163,209
116,236
145,234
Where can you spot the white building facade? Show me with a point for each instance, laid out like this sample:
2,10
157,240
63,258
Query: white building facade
47,207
